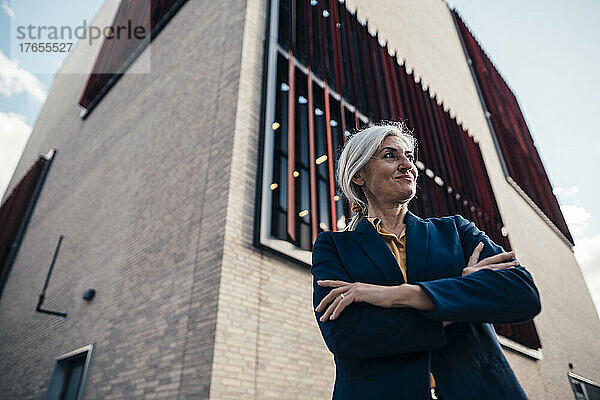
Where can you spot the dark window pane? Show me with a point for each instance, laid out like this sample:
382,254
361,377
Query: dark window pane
302,154
324,217
304,237
284,23
301,29
329,47
316,40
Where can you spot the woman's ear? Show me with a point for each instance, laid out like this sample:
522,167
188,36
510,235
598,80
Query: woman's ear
358,178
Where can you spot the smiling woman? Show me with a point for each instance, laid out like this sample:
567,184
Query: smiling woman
406,304
392,149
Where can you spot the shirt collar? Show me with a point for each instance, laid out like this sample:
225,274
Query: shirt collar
376,222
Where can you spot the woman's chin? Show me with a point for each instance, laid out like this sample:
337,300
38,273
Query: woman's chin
405,197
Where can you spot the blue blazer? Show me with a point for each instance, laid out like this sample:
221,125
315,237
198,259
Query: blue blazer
387,353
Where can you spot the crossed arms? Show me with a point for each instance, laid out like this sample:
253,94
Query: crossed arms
359,320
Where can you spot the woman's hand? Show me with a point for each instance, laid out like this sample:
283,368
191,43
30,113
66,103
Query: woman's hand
345,293
493,262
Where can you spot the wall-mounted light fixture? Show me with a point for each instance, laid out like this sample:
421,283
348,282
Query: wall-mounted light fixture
89,294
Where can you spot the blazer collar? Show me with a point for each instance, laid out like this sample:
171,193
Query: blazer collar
364,225
417,243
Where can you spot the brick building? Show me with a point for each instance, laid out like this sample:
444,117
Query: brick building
188,199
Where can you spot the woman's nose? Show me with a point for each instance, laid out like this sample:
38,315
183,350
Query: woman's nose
404,163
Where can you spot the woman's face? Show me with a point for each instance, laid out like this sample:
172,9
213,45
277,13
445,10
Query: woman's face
390,176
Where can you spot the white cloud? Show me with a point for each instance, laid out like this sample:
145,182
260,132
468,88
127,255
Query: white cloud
577,218
14,133
16,80
9,11
566,194
587,252
587,247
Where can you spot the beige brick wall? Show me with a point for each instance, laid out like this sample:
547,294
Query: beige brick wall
139,191
267,343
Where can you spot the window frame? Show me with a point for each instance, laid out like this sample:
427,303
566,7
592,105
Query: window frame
449,150
577,379
89,351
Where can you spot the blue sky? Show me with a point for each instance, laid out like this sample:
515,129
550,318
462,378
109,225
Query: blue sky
547,50
22,93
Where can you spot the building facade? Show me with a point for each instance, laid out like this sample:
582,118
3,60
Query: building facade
188,199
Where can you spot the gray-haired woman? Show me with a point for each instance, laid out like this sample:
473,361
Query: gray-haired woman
405,304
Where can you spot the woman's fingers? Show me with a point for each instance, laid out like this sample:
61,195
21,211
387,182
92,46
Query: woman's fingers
509,264
473,260
342,304
332,283
330,297
497,258
336,300
475,255
330,309
470,270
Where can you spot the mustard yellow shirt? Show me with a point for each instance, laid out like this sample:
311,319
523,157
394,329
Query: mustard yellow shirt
397,245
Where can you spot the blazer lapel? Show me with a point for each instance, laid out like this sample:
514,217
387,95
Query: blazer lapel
378,251
417,244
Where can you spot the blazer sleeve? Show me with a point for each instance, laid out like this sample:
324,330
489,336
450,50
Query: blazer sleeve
495,296
362,330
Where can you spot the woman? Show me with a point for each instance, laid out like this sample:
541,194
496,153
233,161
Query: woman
405,304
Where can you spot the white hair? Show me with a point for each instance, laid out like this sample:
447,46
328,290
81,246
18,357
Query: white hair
356,153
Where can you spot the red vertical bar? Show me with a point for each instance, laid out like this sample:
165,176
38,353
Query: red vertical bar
332,205
375,96
385,60
395,89
314,221
396,68
427,102
363,73
476,171
378,72
420,118
353,63
441,138
467,189
291,180
416,122
454,177
343,118
404,77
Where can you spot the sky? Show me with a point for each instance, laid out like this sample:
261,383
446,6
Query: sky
23,92
547,51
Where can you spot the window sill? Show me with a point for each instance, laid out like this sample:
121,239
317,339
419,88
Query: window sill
519,348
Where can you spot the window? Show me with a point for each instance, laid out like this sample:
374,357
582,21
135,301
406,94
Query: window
118,53
583,388
327,76
16,211
522,164
69,375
